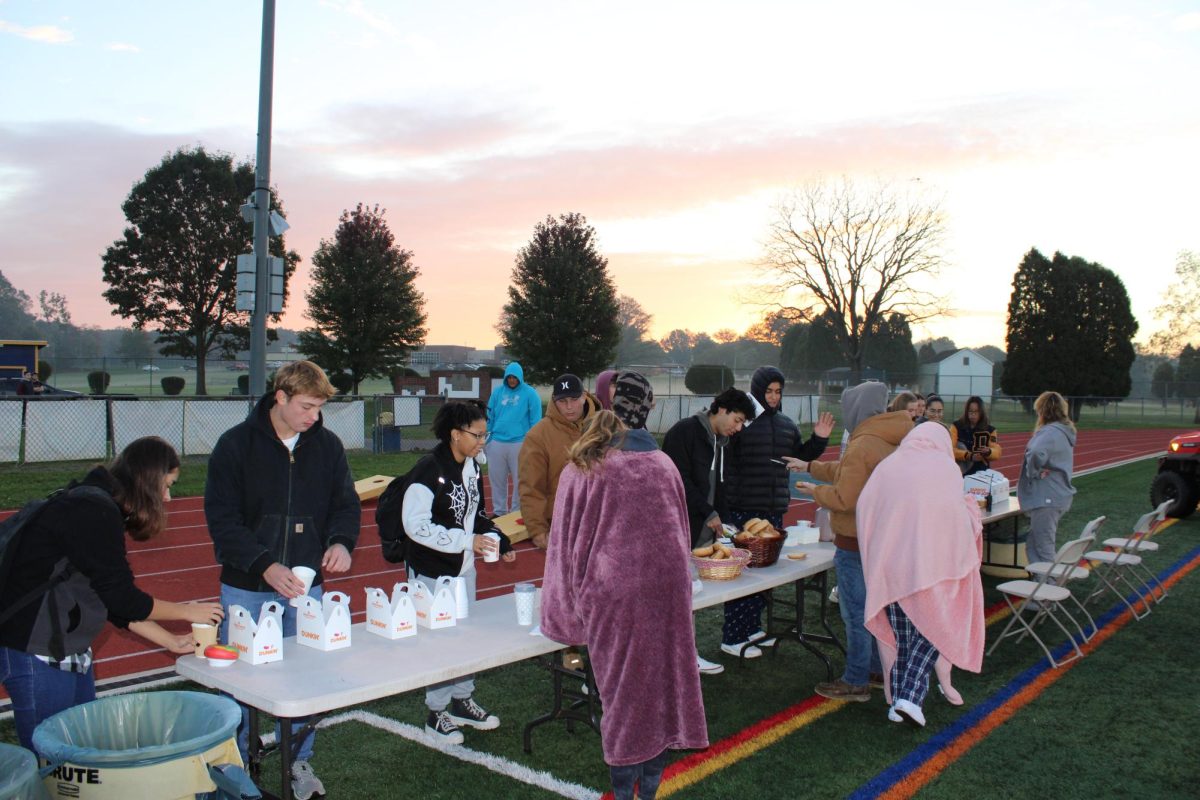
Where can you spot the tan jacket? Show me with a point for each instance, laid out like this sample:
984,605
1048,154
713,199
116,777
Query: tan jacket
871,442
541,462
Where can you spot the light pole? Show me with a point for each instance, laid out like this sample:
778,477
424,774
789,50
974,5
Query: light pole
262,207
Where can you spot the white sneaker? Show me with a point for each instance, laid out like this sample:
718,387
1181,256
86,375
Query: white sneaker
910,712
305,782
893,716
833,595
762,635
708,667
736,650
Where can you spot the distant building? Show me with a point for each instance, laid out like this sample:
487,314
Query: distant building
958,373
18,356
432,354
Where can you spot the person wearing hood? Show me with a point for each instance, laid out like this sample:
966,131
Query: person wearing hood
599,580
606,388
759,487
1044,487
279,494
874,434
697,445
544,453
512,410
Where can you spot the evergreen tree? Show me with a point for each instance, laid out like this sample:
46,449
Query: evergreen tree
562,311
364,301
890,348
1163,381
1070,328
1188,373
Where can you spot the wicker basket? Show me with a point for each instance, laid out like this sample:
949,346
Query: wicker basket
763,552
723,569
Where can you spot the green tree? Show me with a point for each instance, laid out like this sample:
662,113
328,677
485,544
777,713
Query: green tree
1188,373
367,312
176,264
1163,381
15,320
1070,328
857,256
561,314
890,348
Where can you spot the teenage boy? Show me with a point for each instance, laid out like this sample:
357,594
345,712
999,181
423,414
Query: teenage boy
513,409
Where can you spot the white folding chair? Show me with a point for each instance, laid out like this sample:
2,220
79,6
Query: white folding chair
1113,568
1044,599
1140,543
1064,573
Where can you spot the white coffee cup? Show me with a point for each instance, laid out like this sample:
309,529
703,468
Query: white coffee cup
526,596
305,574
204,635
492,553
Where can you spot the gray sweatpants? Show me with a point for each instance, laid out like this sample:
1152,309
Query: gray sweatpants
438,695
1041,544
502,464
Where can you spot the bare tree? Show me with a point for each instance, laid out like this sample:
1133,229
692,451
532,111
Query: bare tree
861,255
1180,307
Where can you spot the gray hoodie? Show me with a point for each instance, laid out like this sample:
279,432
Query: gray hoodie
1050,449
860,402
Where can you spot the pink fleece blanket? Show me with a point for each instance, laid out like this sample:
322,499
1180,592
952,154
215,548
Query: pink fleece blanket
617,580
921,543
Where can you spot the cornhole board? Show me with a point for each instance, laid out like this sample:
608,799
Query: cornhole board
513,526
372,487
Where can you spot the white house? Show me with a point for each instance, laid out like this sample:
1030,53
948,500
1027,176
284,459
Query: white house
958,374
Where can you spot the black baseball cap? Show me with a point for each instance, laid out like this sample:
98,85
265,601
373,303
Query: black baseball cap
567,385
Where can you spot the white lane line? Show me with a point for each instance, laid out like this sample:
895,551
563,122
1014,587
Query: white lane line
503,766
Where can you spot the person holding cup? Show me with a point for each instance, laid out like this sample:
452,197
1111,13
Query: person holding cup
280,495
444,521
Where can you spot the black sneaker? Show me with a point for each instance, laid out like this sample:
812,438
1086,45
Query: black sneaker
467,712
439,726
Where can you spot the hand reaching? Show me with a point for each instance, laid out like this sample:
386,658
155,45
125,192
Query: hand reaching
824,425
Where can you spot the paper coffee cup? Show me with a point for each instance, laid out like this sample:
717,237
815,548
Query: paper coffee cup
493,553
526,597
305,574
204,635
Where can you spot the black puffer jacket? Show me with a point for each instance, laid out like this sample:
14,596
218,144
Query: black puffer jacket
266,505
754,483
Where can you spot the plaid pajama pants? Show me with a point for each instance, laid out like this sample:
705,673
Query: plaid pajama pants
914,658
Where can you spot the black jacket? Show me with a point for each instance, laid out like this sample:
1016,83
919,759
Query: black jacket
690,444
265,505
435,508
755,483
82,536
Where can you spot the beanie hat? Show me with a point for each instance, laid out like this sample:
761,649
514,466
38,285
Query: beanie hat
633,399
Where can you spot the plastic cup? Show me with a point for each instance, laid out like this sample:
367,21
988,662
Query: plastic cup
492,554
305,574
204,635
526,597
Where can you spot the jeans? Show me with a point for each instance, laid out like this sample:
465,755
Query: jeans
253,602
646,775
862,654
439,695
39,691
502,463
1041,543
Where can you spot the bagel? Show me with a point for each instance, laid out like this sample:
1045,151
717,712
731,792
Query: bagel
758,525
703,552
720,555
744,536
769,533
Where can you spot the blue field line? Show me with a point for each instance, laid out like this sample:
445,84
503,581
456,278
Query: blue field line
885,780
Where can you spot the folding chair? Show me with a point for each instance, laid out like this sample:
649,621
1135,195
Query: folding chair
1064,573
1115,566
1140,543
1044,598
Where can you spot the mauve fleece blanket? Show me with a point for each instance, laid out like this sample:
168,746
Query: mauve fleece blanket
617,581
920,539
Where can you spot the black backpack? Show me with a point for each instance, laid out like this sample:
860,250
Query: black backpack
12,527
389,515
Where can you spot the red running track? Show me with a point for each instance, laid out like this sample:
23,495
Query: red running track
179,565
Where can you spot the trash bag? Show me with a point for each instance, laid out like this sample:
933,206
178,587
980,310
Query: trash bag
19,779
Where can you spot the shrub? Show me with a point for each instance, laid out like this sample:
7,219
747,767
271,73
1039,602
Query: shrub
342,381
243,384
172,384
98,381
44,371
708,379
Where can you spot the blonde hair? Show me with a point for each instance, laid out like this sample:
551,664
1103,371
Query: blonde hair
303,377
603,432
900,402
1052,407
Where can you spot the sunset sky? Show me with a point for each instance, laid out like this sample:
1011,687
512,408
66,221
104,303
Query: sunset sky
674,127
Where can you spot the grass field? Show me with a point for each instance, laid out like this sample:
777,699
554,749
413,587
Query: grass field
1122,723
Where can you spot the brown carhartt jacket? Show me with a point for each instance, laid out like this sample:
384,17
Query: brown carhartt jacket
541,462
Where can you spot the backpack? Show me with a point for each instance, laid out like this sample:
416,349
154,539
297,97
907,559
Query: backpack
389,515
12,527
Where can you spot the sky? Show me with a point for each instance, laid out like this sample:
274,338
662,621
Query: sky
674,127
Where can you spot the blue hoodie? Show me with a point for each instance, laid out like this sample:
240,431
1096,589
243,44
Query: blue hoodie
512,412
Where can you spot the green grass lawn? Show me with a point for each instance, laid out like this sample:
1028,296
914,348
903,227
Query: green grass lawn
1122,723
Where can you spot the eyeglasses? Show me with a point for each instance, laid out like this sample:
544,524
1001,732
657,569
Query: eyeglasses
479,437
